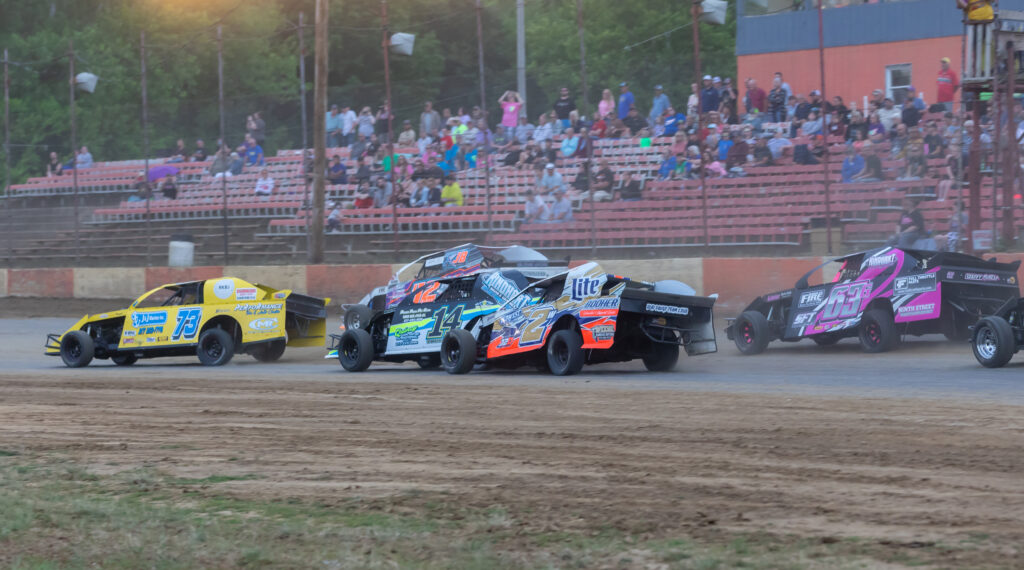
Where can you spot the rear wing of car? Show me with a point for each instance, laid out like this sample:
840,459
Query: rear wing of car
305,320
685,319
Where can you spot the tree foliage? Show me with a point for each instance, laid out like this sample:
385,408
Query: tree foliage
261,60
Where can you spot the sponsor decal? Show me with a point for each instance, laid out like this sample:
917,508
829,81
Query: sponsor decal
434,261
911,310
583,287
803,319
150,339
914,284
280,295
223,288
245,294
417,314
603,332
603,307
774,297
150,330
1012,280
879,260
499,287
667,309
811,298
129,341
153,318
264,324
407,337
259,308
129,333
987,277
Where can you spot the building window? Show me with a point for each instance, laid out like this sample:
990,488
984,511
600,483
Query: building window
897,81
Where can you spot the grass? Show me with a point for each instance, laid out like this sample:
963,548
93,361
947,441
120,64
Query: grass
57,514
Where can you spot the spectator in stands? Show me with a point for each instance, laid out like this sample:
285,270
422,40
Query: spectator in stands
235,164
363,171
782,82
673,122
358,148
872,171
434,199
544,130
419,193
755,97
563,106
511,104
256,127
548,152
200,154
334,217
776,102
583,149
950,172
581,184
529,156
336,172
365,122
349,123
501,138
858,127
738,152
535,210
947,84
916,166
253,152
631,189
888,113
634,122
791,104
763,154
876,130
407,137
363,195
914,98
168,188
722,144
616,128
802,154
372,145
381,191
710,98
910,115
54,166
813,124
451,194
729,105
836,125
383,116
83,159
570,143
668,165
779,144
265,183
334,126
221,165
626,100
910,227
179,154
606,104
853,164
524,131
561,209
659,106
551,179
143,190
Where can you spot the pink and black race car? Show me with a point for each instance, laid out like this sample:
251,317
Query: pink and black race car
879,295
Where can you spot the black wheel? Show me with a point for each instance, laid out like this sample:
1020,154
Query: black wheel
355,350
458,351
877,331
269,351
825,339
663,357
357,317
429,361
993,342
76,349
216,347
750,332
565,353
124,359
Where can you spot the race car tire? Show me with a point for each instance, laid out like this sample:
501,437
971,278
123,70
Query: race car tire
565,353
124,359
269,351
77,349
458,351
750,332
358,317
355,350
429,361
993,343
877,331
825,339
663,357
215,348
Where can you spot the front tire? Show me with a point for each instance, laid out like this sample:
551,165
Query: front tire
124,359
751,333
458,351
216,347
77,349
993,342
355,350
358,317
663,357
270,351
877,331
565,353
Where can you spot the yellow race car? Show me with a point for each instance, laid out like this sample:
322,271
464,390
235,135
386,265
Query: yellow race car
213,319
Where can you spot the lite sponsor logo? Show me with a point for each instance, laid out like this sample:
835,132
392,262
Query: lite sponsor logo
584,287
154,318
245,294
265,324
812,298
988,277
667,309
879,260
911,310
223,288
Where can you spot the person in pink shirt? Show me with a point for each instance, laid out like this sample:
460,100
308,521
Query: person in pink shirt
607,104
511,103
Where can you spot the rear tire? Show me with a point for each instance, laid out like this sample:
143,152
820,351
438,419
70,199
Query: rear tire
663,357
216,347
124,359
269,351
355,350
358,317
877,331
458,351
750,332
565,353
77,349
993,342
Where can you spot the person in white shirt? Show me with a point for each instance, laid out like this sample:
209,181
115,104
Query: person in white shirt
264,184
561,210
536,210
348,125
83,159
544,130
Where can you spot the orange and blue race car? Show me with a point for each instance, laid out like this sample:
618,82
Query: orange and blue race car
586,316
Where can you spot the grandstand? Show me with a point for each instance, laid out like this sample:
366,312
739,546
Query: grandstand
771,211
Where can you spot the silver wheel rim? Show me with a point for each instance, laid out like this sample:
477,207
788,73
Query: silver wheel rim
985,343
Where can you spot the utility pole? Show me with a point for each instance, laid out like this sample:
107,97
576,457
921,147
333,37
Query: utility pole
316,255
824,162
521,54
7,161
583,55
695,24
305,136
483,108
74,136
223,135
145,139
385,43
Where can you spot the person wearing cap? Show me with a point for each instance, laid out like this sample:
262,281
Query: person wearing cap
551,179
563,106
877,98
408,135
561,209
333,126
815,101
626,100
914,97
709,96
947,84
659,105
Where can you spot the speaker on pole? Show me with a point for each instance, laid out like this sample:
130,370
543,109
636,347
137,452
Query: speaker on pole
86,81
402,43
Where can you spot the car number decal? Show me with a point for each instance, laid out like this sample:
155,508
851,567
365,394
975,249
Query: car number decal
188,323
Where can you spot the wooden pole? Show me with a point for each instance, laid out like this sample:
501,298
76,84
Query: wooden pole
7,161
695,16
316,255
385,45
74,139
483,153
305,136
223,136
824,162
145,140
